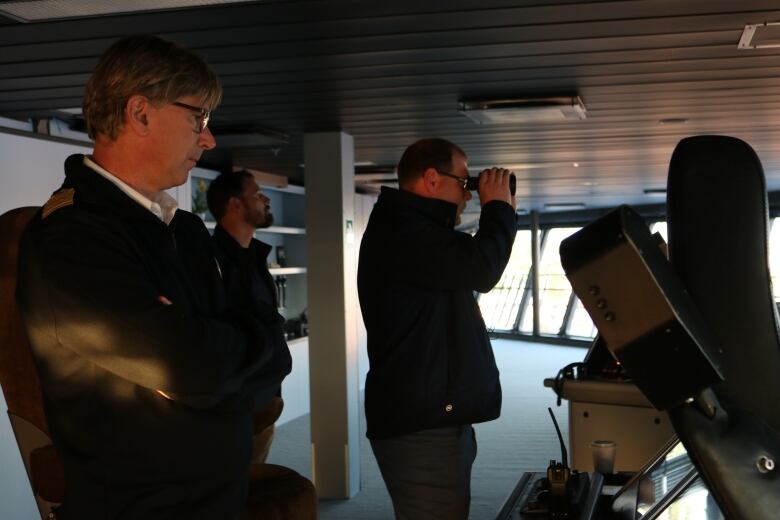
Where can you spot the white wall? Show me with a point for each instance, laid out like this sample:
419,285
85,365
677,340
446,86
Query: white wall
363,206
295,387
31,169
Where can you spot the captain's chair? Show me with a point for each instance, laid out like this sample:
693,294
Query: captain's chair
19,376
718,227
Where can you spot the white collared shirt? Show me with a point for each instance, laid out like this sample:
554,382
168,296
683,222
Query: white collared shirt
163,206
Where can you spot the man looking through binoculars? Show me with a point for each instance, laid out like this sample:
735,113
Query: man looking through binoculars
432,372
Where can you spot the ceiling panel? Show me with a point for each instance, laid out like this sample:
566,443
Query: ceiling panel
391,73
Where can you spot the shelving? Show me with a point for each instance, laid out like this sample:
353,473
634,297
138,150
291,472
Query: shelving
283,230
280,230
289,232
276,271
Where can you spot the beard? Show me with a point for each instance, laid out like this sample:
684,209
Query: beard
266,222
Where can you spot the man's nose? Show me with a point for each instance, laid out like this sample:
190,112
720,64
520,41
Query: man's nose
206,139
467,195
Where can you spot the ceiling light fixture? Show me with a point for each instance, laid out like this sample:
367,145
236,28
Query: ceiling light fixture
673,121
524,109
749,33
42,10
564,205
655,191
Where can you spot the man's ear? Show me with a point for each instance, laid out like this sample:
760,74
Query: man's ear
235,205
137,115
430,180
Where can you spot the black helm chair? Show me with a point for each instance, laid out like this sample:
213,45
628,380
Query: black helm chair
717,215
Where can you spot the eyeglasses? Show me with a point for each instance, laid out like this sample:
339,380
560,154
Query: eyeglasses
463,181
202,119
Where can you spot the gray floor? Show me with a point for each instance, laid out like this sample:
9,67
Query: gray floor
522,439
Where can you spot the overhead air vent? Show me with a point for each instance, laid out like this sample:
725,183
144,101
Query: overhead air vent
524,109
43,10
765,35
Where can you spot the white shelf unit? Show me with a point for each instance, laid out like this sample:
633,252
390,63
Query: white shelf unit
283,230
288,231
276,271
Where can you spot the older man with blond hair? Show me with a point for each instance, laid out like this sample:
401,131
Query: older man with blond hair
147,373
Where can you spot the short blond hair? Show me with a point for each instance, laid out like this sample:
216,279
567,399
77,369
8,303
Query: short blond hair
161,70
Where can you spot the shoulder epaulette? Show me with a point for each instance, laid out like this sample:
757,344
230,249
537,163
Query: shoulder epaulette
60,199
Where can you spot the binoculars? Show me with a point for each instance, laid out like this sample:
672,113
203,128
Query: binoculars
472,184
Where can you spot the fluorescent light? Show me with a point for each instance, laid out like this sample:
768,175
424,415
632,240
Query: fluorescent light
524,110
564,205
673,121
40,10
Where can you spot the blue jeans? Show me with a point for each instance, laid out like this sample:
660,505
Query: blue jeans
428,473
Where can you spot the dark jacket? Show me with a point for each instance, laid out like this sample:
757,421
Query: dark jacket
431,362
249,286
93,267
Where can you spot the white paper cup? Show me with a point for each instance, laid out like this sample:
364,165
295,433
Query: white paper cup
603,456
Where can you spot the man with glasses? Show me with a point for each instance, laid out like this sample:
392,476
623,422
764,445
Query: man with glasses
149,377
432,373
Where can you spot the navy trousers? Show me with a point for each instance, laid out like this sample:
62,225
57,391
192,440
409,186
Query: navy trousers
428,473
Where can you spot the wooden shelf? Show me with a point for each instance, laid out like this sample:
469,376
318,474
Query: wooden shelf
286,270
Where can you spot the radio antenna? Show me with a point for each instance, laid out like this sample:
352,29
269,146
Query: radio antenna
564,454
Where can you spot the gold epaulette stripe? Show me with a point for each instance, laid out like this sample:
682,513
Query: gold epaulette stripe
59,200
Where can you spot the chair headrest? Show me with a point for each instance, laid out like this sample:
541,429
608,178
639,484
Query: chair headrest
718,229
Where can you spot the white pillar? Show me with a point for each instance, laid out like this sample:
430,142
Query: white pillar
333,308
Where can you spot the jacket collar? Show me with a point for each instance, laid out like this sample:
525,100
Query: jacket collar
95,190
440,211
228,244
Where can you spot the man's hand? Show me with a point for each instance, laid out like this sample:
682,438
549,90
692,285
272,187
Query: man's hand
494,185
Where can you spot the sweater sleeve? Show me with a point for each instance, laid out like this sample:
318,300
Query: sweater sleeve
432,256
